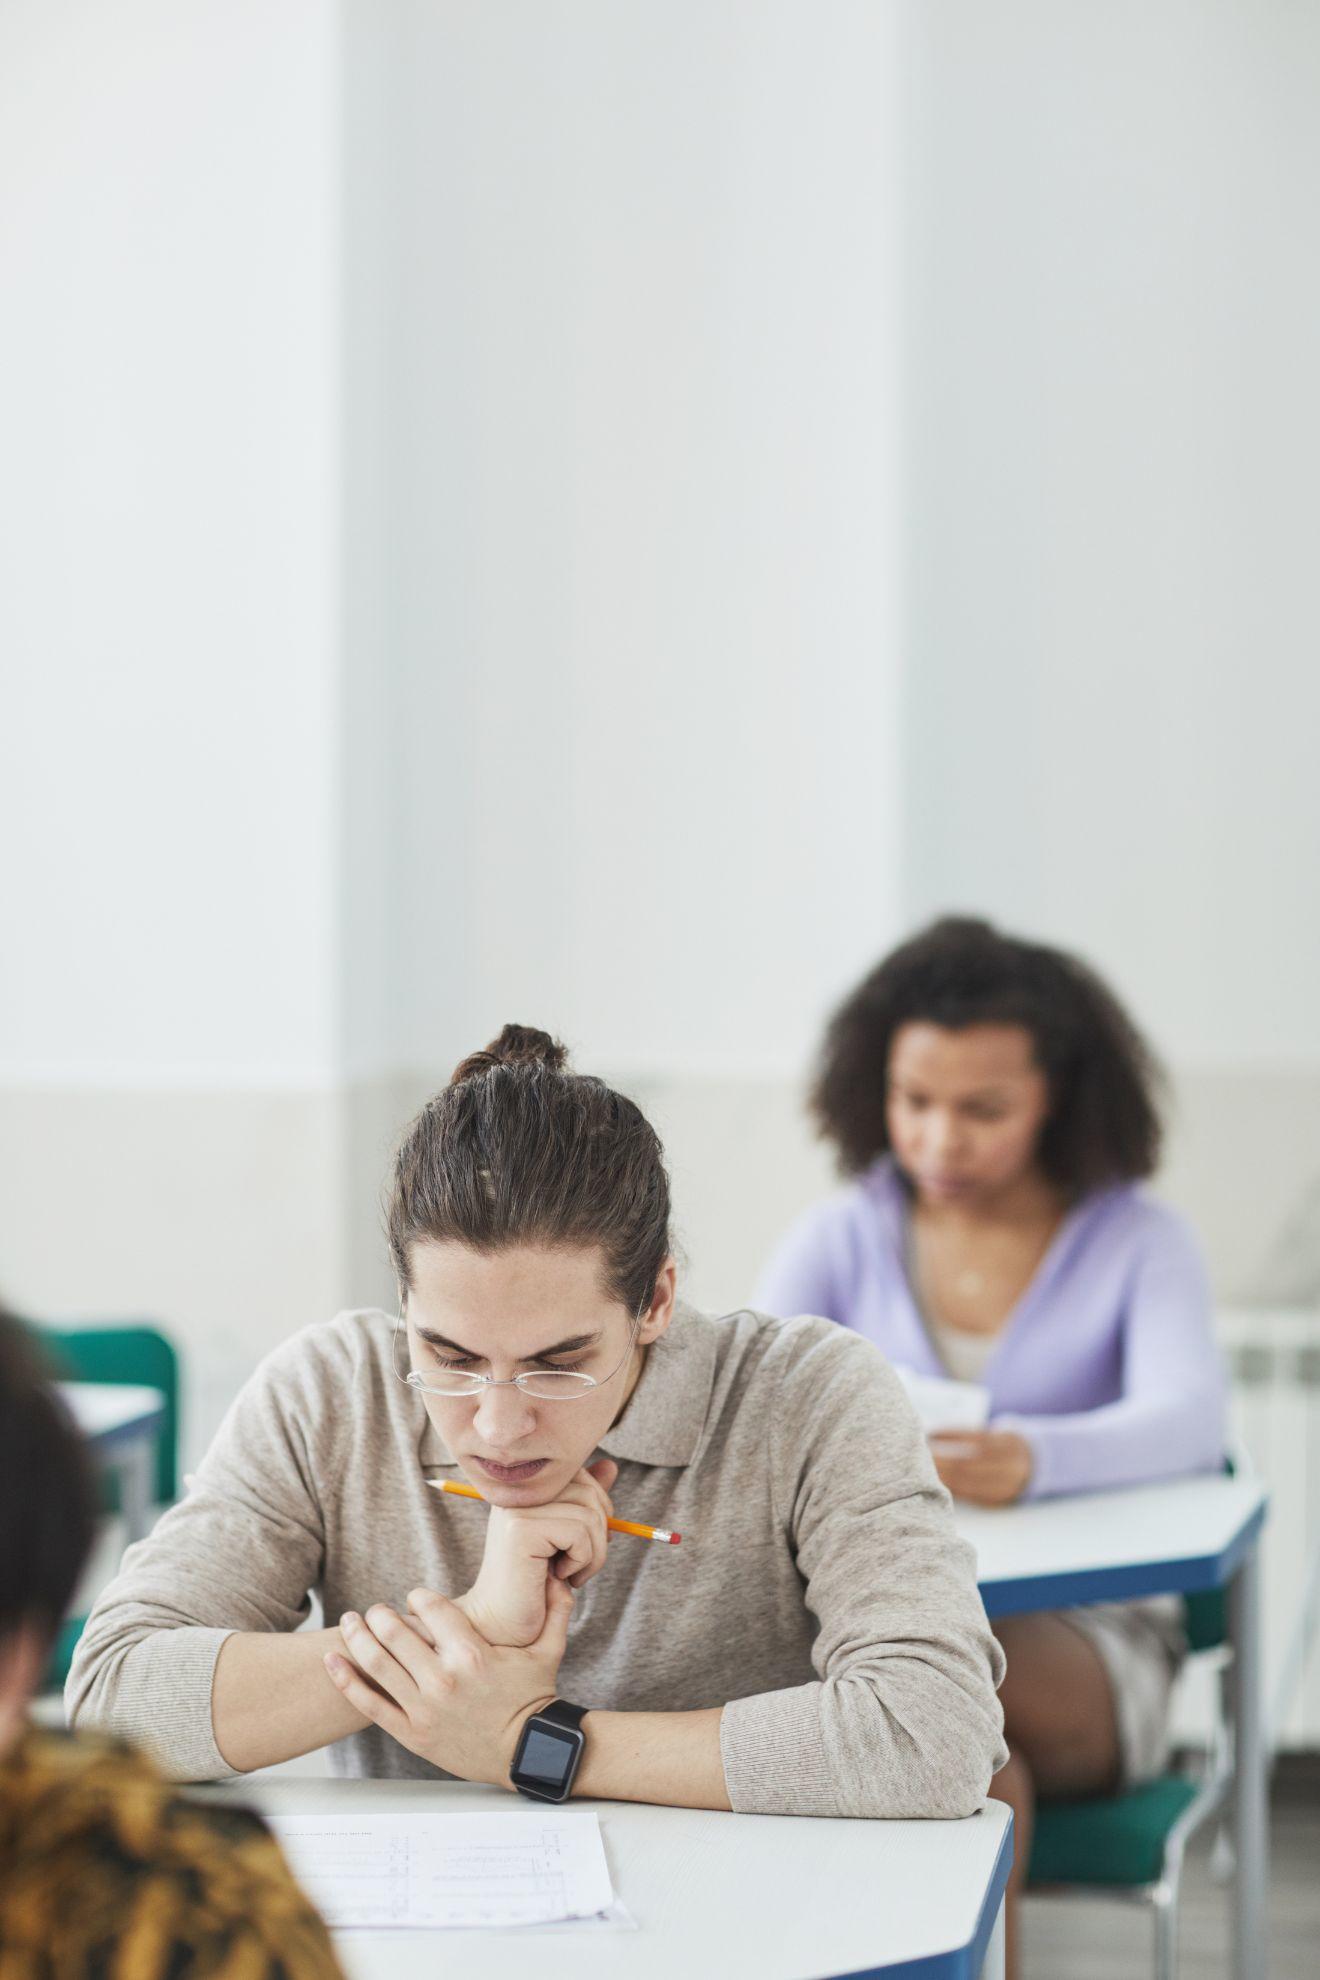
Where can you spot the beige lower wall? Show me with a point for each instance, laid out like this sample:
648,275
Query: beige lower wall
236,1218
215,1213
1243,1162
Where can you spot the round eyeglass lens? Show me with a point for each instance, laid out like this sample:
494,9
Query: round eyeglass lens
547,1384
555,1385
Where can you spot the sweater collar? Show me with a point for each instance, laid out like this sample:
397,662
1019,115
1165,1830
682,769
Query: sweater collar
666,1412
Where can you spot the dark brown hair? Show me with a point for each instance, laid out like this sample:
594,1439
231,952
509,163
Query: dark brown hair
519,1149
47,1494
1103,1125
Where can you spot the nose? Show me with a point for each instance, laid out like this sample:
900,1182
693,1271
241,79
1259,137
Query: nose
504,1418
943,1134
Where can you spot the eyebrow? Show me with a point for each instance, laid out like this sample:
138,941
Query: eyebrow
993,1092
569,1346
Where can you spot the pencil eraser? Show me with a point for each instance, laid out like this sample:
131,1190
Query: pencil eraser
674,1539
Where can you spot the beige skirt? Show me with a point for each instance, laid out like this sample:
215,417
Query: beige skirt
1142,1646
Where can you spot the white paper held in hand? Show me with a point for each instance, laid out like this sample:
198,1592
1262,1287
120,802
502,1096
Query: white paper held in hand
945,1405
451,1872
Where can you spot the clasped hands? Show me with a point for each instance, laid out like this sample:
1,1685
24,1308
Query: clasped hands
455,1681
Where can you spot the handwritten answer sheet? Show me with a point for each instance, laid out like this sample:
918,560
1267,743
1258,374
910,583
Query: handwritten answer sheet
448,1871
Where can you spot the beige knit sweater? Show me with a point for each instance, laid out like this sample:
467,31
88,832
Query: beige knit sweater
820,1594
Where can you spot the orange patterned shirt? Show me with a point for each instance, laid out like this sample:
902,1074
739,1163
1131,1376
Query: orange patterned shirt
109,1873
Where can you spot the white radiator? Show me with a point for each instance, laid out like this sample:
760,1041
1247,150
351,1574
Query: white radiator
1273,1358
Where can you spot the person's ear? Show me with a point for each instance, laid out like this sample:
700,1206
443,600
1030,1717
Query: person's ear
22,1659
657,1320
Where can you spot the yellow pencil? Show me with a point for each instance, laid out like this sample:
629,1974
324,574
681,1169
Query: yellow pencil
615,1525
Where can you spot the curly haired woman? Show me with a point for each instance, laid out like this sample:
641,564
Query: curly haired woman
996,1107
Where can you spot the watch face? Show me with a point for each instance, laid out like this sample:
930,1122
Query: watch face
545,1758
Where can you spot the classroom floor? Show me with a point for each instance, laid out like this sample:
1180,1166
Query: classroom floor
1076,1940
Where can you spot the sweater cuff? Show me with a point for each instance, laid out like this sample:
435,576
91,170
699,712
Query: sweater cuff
773,1755
169,1712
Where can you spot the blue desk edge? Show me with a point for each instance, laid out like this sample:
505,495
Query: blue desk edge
1192,1574
963,1962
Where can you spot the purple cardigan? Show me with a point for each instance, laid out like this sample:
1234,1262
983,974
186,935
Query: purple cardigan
1107,1365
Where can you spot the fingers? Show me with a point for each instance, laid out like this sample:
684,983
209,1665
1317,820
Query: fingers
364,1697
370,1654
977,1481
967,1444
576,1537
591,1487
419,1629
399,1638
553,1640
457,1644
585,1555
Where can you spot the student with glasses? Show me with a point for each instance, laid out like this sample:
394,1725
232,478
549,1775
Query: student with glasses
814,1644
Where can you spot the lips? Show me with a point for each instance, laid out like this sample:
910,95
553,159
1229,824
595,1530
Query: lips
511,1474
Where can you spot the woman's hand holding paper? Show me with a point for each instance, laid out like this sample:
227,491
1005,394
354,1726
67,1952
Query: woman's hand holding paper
987,1467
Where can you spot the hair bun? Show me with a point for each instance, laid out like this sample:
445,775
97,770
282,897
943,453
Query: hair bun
517,1045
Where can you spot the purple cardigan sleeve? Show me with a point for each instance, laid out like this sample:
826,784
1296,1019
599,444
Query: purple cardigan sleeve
1169,1420
803,1274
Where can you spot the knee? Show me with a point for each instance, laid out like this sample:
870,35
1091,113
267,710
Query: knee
1036,1713
1063,1732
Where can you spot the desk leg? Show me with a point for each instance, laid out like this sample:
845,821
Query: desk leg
1250,1814
992,1966
133,1464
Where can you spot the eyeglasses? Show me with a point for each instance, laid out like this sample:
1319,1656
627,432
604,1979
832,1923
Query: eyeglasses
546,1384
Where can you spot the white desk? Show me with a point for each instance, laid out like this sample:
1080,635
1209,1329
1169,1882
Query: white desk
780,1897
121,1422
1181,1538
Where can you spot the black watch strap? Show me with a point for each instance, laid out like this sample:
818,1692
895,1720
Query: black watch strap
563,1714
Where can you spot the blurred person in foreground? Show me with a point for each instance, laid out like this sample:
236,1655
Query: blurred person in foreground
103,1868
996,1108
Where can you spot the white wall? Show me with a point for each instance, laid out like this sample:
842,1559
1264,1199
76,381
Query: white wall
1113,321
1114,414
602,515
649,476
168,521
171,1141
495,605
808,670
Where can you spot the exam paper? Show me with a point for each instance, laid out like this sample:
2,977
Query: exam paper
945,1405
455,1871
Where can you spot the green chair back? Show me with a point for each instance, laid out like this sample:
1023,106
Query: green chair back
137,1354
133,1353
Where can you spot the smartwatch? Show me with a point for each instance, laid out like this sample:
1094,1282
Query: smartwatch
550,1752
